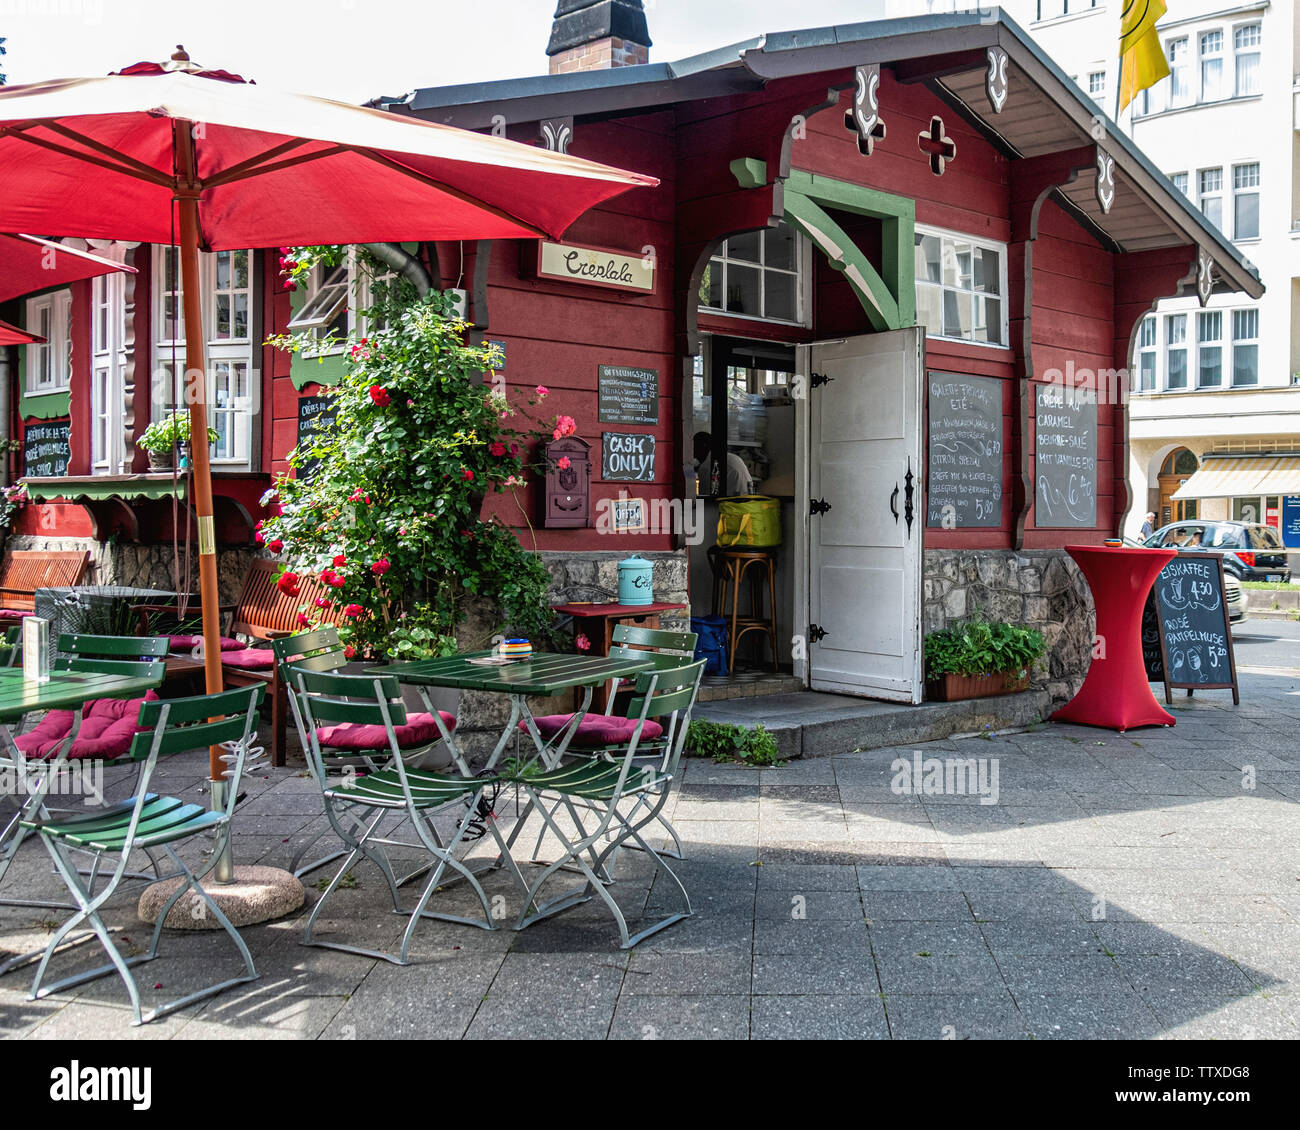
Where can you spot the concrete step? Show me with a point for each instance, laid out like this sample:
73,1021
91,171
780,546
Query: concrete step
814,724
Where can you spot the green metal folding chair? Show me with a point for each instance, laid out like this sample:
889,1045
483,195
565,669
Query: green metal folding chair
357,805
135,656
600,785
146,820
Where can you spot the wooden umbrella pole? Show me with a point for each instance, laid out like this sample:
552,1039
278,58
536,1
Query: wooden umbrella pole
196,394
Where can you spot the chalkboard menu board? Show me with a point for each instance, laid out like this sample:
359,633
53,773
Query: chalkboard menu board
47,449
316,417
628,396
627,458
1186,633
966,443
1065,457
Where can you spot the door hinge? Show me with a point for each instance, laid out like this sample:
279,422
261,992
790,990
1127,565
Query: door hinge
819,379
818,506
907,495
816,633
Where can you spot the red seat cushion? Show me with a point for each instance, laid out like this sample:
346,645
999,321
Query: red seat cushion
597,729
249,659
420,729
108,726
189,643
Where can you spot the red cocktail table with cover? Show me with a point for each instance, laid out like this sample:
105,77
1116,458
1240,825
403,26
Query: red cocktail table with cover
1116,693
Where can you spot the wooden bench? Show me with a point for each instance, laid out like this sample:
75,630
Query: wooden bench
26,570
265,613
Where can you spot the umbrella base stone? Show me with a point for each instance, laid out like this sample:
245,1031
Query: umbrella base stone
258,894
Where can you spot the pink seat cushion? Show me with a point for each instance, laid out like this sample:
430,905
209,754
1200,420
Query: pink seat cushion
597,729
420,729
108,726
249,659
189,643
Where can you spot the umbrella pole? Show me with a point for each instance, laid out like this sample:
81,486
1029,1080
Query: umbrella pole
196,394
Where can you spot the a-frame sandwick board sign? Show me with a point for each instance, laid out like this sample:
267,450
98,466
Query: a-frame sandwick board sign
1186,633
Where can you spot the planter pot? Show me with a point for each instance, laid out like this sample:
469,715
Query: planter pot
953,688
160,460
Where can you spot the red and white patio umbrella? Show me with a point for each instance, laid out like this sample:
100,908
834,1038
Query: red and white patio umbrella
173,153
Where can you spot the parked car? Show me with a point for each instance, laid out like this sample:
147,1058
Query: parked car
1251,552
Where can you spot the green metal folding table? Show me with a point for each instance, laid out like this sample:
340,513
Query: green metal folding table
65,690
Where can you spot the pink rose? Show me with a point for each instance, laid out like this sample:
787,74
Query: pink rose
564,463
542,390
582,643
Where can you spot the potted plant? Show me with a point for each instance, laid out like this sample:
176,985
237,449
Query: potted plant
976,659
162,437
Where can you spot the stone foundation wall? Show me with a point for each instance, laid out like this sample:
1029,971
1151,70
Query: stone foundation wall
145,566
1040,589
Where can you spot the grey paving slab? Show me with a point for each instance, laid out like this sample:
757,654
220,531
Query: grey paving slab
795,975
704,1017
987,1015
929,973
933,906
549,996
651,973
812,940
819,1017
1118,1014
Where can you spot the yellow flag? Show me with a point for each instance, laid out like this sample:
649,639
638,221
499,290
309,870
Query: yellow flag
1142,61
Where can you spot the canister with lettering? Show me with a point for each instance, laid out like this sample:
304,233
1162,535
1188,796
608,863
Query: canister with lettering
635,581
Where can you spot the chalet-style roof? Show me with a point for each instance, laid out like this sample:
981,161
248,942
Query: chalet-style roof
1044,111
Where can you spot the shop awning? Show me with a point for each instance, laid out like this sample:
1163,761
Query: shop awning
99,488
1236,476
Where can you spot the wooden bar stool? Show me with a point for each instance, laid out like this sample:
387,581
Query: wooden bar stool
730,564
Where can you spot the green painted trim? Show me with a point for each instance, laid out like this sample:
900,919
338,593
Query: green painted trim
323,370
45,406
844,256
104,488
750,172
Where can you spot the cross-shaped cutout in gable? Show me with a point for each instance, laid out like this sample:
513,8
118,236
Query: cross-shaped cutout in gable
940,147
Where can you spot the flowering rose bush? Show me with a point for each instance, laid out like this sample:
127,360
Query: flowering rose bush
388,518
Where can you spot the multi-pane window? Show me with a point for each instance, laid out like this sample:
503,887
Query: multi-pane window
1054,9
1180,83
49,365
1097,85
1180,182
1245,347
1211,53
1209,349
1245,48
1176,351
108,368
1147,354
758,275
960,287
229,298
324,310
1245,201
1209,195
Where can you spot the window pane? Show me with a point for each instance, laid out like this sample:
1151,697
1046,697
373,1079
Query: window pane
929,253
956,314
222,328
1245,324
988,271
957,260
240,321
1246,216
988,319
711,284
1176,368
241,269
1212,206
1175,329
1248,73
1209,326
1245,364
929,309
1147,334
1148,368
1210,361
745,246
779,297
743,290
779,249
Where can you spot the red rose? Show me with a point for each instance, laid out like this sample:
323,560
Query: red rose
498,449
467,474
340,561
352,611
303,622
380,567
275,546
380,396
349,652
259,538
287,583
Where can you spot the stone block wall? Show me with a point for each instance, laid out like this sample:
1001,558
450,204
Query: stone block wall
1040,589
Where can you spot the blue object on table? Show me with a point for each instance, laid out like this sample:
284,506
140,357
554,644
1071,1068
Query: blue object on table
711,643
635,581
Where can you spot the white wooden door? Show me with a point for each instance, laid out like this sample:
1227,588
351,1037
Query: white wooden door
864,552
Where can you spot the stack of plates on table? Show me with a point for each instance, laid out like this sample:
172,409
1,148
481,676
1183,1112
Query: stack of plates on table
516,649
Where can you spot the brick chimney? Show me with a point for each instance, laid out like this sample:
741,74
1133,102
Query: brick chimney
590,35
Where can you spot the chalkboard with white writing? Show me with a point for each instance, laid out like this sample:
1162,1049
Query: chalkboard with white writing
627,457
47,449
966,445
1065,457
1186,632
316,418
627,395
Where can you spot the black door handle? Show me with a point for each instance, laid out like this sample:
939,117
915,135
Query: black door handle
893,504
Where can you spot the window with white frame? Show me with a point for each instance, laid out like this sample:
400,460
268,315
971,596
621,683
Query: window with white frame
49,365
1245,346
1209,195
1180,83
1245,201
961,287
1209,349
1176,351
108,369
1097,85
1210,45
758,274
229,293
1179,182
1245,50
324,313
1147,354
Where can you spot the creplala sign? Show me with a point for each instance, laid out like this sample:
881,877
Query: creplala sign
598,266
627,457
